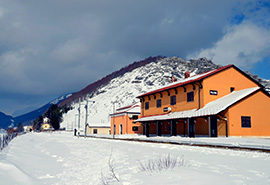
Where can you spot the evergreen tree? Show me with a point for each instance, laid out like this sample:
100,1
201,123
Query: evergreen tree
54,113
37,123
20,127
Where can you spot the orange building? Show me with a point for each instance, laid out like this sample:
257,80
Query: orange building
221,102
122,120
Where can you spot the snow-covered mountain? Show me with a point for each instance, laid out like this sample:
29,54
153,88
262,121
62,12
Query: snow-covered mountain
121,88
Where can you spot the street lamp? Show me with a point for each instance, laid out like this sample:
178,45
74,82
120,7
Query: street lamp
79,116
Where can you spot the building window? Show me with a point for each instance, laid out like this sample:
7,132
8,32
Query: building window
135,117
232,89
135,128
146,105
173,100
190,96
213,92
246,121
95,131
158,103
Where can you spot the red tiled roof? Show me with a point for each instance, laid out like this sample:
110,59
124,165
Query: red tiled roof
188,80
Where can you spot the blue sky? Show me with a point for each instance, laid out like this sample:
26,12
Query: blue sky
49,48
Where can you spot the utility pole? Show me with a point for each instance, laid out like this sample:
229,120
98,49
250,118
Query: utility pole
86,113
79,110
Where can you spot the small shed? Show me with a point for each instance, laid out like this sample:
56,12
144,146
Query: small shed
98,129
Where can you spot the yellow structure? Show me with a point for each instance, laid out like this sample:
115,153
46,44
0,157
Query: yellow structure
46,127
222,102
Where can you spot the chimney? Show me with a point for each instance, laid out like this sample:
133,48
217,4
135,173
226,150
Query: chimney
187,74
173,79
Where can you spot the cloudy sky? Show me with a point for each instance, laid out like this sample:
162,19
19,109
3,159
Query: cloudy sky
52,47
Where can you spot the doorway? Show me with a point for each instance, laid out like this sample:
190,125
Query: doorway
191,127
213,126
173,127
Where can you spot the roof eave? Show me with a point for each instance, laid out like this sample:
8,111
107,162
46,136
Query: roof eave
189,82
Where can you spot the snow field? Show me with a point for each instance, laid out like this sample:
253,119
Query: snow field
61,158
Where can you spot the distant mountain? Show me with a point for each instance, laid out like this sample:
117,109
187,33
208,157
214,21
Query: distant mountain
264,82
26,119
121,87
5,120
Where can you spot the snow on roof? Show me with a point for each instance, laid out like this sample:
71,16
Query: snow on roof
187,80
91,124
134,108
211,108
128,107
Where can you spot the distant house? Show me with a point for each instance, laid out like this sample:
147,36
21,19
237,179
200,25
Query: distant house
46,125
98,129
221,102
122,120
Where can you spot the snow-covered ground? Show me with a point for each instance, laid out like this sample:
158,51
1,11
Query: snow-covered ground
61,158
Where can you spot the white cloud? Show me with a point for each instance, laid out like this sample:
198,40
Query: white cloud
74,43
243,45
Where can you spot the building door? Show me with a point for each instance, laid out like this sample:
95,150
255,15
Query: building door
173,126
159,128
191,127
213,126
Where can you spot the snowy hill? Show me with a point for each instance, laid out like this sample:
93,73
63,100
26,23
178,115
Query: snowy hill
121,88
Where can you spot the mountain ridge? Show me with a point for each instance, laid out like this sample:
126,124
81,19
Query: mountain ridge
122,87
103,81
121,90
130,81
26,119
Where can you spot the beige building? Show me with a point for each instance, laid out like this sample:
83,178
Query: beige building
104,129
